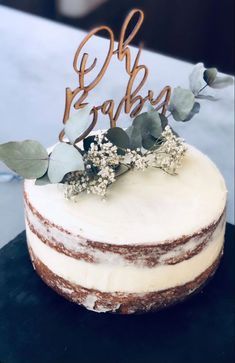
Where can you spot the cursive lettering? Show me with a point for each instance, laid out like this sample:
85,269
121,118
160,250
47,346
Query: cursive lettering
132,103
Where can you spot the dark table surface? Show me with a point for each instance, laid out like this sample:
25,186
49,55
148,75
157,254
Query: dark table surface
38,326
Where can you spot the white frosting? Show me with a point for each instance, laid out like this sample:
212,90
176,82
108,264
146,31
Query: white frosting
71,243
128,279
79,245
141,207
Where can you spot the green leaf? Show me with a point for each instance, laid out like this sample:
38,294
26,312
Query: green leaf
27,158
44,180
195,109
77,124
148,141
146,128
209,75
181,104
87,142
135,139
222,82
64,159
148,123
196,81
129,131
118,137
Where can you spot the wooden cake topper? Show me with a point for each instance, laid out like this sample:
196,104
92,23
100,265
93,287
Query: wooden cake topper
132,102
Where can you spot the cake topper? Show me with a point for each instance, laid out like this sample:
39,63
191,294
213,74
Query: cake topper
91,162
132,102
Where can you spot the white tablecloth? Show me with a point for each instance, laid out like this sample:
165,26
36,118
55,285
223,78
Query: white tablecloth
36,58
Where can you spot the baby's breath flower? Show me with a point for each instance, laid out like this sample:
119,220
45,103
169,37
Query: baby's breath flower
171,152
102,159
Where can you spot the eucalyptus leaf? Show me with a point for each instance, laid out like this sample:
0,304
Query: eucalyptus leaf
64,158
44,180
77,124
88,141
222,82
196,81
118,137
27,158
148,141
152,124
209,75
194,111
129,131
149,122
146,128
181,104
135,138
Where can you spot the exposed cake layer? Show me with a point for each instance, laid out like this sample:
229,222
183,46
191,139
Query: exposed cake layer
120,302
171,252
142,208
114,277
155,240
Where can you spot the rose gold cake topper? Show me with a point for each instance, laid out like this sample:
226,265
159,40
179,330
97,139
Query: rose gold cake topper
132,102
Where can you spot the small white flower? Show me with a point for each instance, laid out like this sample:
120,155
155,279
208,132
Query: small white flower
105,158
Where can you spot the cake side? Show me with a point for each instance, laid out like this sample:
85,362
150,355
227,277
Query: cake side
151,199
159,236
126,278
170,252
120,302
107,275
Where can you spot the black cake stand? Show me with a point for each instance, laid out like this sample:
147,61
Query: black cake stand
38,326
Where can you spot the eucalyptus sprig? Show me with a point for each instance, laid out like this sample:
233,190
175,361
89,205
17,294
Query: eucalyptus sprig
202,77
104,163
148,142
27,158
183,105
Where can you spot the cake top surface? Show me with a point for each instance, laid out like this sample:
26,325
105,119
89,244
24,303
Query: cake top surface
142,207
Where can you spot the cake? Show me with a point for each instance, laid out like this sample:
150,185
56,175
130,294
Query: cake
123,220
154,241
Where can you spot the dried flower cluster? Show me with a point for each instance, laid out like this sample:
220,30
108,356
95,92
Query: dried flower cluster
170,154
102,162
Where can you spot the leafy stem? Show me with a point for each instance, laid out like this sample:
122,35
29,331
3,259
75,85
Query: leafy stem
124,171
78,149
167,172
202,89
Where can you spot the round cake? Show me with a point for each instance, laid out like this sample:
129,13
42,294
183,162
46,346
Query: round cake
155,240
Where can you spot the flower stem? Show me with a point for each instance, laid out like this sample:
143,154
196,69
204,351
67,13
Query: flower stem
125,171
202,89
78,148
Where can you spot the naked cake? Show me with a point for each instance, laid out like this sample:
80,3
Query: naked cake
127,219
154,241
